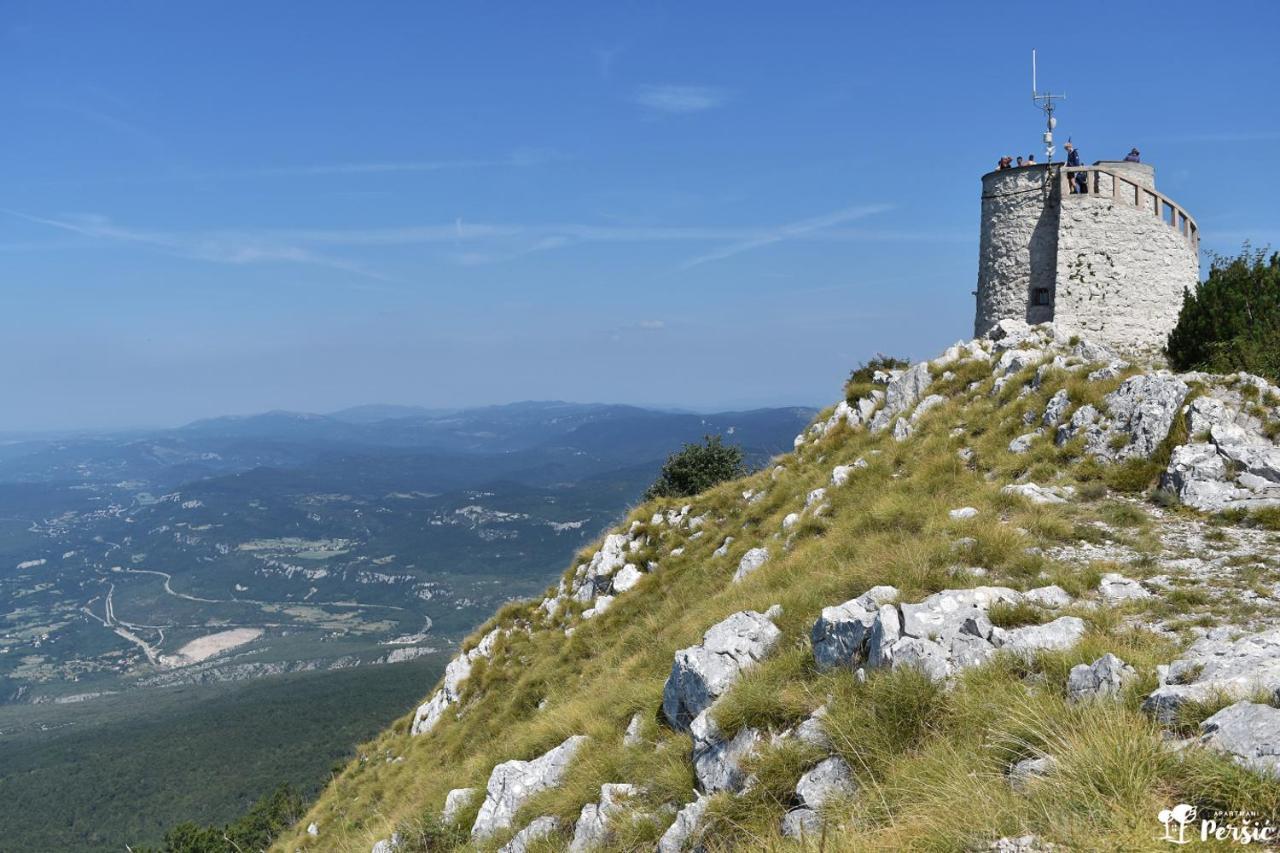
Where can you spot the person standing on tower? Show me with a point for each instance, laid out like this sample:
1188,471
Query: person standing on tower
1079,180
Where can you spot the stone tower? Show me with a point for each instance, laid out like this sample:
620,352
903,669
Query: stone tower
1110,262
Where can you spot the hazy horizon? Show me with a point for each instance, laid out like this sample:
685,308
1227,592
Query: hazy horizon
63,429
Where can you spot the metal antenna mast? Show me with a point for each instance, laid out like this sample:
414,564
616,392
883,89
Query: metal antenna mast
1044,100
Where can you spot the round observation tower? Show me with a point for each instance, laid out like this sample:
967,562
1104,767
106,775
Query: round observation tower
1096,249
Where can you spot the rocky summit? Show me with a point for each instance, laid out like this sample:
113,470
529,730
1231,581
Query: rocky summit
1023,596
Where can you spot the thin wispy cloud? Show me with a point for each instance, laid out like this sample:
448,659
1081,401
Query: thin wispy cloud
467,243
680,100
789,231
222,248
558,235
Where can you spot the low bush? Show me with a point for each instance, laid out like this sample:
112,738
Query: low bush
696,468
1232,320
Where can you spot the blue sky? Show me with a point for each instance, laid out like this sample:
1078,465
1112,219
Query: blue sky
231,207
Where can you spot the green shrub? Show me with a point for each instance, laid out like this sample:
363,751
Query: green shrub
860,384
1232,321
696,468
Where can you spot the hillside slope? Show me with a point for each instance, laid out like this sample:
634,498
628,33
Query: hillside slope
960,614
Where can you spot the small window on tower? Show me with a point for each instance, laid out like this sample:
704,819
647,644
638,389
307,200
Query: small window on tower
1040,296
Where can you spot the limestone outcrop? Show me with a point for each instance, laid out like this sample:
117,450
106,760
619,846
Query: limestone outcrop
458,670
1249,732
1217,665
592,829
941,635
701,674
514,783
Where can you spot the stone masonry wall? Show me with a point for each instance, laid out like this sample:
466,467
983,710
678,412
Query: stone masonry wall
1106,267
1018,249
1120,271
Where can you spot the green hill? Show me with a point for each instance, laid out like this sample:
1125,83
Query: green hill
1022,595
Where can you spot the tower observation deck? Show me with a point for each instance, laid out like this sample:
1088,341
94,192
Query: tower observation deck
1110,262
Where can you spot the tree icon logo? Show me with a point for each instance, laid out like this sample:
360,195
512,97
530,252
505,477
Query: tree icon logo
1178,816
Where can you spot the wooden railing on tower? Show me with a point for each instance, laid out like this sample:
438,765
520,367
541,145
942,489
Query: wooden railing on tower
1104,183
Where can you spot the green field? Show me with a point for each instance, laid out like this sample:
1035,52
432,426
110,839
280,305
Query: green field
119,770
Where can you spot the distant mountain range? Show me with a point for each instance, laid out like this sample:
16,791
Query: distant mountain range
322,537
613,435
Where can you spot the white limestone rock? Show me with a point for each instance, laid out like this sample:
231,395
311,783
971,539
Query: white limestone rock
1028,771
1021,844
944,614
1198,474
1082,420
1014,360
1104,678
1056,408
1062,633
941,635
593,577
1216,665
514,783
603,603
1052,596
1022,443
929,403
456,801
686,829
840,635
901,429
929,657
717,761
1035,494
829,779
801,823
1238,467
963,513
1247,731
1010,333
313,829
592,829
724,547
1116,588
626,578
537,830
902,393
811,731
752,560
458,671
387,845
1142,409
1113,369
632,735
701,674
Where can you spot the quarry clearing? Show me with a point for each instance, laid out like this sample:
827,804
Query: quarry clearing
203,648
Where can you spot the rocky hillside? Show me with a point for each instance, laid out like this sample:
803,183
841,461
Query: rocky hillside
1025,596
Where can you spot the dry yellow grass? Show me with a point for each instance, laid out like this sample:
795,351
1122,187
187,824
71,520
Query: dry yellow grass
930,762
